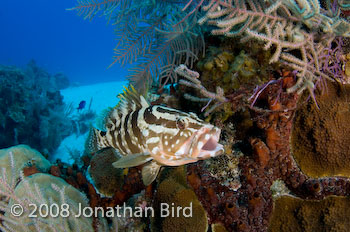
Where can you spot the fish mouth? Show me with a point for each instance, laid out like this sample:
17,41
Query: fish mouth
210,145
207,144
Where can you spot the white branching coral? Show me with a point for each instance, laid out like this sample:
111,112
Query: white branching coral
193,82
287,28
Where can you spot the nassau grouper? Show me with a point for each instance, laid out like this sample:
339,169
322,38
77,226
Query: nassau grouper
154,135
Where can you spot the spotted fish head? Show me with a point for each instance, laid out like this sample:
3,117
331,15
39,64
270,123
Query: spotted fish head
183,138
204,143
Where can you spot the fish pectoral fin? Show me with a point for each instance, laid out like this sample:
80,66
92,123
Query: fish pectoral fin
190,160
150,172
132,160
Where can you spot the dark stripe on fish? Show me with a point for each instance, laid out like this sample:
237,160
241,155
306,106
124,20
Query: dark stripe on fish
135,129
114,141
168,123
134,149
196,126
114,121
168,111
149,117
181,114
119,140
114,133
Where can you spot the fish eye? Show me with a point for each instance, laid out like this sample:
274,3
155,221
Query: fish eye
181,123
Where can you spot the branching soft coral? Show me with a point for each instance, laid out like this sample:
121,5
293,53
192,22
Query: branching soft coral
154,36
89,8
297,32
158,35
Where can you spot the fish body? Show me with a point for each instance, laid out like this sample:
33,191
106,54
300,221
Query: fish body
82,105
156,135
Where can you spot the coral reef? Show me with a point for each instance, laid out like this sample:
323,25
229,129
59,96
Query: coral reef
218,228
22,157
276,141
31,108
132,223
256,164
82,119
38,189
295,214
46,189
320,141
225,169
237,191
300,34
106,178
174,191
266,157
154,37
233,68
28,178
347,68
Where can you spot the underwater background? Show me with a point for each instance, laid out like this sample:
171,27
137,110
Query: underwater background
58,40
193,115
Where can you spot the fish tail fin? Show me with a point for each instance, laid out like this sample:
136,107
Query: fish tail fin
150,172
95,141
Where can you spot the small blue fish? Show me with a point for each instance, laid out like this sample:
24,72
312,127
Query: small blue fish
82,105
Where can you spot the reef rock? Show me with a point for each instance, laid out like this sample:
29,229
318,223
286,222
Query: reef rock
31,109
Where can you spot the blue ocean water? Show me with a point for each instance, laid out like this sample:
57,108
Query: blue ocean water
58,40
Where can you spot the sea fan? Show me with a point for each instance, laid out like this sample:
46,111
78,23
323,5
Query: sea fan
179,44
90,8
153,36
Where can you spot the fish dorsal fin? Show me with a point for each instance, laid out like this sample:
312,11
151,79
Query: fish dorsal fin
131,100
144,102
132,160
150,172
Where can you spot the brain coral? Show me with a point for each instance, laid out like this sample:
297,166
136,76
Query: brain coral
48,190
174,192
320,137
295,214
23,156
